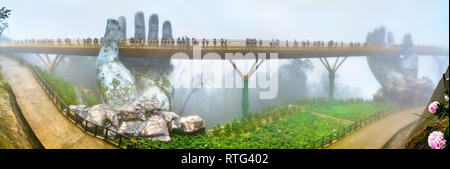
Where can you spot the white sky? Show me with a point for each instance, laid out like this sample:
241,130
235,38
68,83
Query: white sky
346,20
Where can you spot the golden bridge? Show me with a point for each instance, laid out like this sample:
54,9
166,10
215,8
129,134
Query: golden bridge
285,50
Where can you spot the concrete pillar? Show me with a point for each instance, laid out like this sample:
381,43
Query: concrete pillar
245,102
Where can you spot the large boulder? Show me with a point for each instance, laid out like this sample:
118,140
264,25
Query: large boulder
112,118
187,125
155,128
130,128
144,119
115,82
80,110
139,25
149,106
132,113
97,114
170,118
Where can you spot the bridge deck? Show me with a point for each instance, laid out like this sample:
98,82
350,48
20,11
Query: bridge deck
52,128
144,51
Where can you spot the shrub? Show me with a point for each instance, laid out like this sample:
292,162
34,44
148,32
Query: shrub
61,87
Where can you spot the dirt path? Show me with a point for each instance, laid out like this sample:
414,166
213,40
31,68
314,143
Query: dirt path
335,118
380,134
52,128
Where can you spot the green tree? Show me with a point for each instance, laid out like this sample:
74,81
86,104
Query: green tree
4,14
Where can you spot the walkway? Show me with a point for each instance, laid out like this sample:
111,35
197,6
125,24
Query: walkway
52,128
378,133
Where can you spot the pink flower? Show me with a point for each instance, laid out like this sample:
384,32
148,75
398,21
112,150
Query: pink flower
436,140
432,108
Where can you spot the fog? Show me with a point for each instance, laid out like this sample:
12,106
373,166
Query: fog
347,20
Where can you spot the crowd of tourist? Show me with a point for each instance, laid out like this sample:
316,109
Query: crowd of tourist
186,42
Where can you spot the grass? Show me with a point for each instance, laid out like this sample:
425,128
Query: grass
352,112
90,98
64,89
283,127
4,143
3,84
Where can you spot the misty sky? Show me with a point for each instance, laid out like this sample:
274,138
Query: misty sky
346,20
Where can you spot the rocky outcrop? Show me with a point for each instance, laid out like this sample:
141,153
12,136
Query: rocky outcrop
115,82
188,124
397,74
144,119
153,27
167,31
155,127
139,25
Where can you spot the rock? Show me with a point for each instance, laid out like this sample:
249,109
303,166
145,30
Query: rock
169,117
189,124
132,112
139,25
130,128
141,119
79,110
112,118
149,106
167,31
115,82
153,27
112,131
155,128
123,27
97,114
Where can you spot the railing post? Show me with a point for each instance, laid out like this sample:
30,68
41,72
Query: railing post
106,134
95,133
120,140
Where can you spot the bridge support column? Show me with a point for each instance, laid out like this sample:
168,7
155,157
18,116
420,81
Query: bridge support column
245,99
332,73
51,64
245,102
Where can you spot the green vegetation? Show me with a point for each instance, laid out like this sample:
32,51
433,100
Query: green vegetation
353,112
64,89
3,84
4,143
89,97
284,127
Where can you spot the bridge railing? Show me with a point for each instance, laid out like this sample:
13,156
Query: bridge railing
102,132
105,133
184,43
333,137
